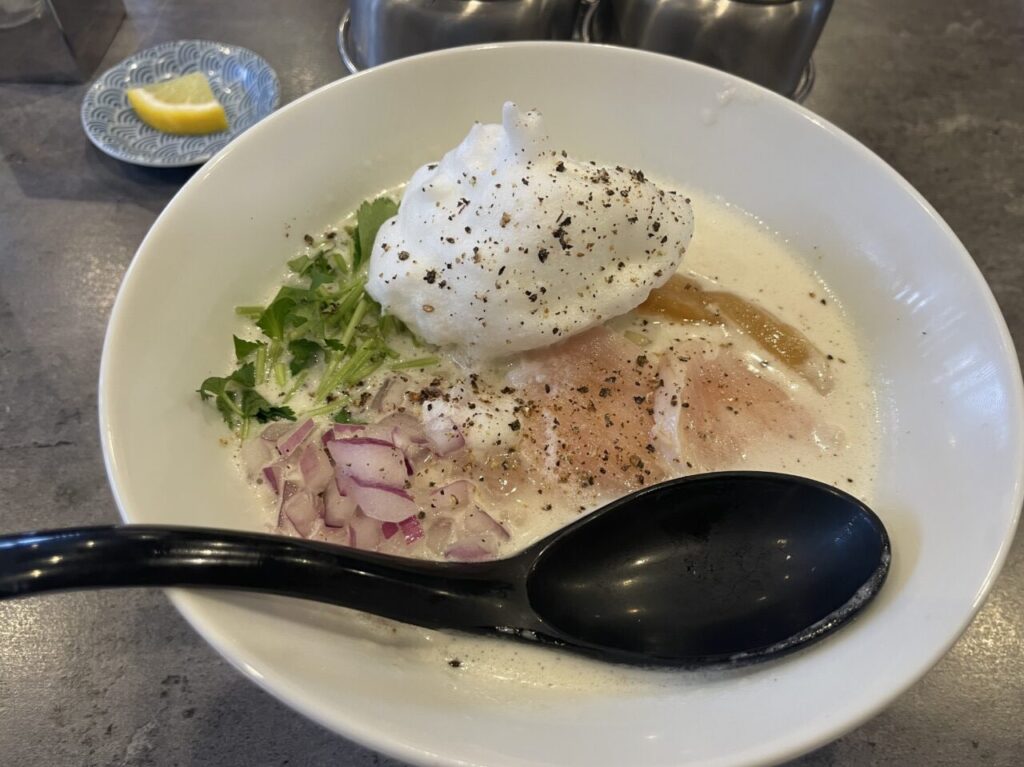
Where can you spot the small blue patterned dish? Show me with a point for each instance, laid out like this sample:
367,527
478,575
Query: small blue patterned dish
244,83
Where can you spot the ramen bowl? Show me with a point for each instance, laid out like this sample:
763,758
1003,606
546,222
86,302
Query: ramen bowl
948,480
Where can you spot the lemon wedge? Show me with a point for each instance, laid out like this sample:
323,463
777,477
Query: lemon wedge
183,105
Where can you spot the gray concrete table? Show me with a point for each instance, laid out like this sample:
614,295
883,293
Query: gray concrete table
934,86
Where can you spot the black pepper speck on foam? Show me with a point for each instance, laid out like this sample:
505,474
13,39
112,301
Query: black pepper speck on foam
552,246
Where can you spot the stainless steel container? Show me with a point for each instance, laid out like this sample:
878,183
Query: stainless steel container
767,41
375,31
55,40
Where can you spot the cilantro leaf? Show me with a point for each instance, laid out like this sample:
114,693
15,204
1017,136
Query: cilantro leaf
319,273
245,375
274,317
298,295
300,264
212,387
275,413
224,399
303,353
237,400
254,405
369,218
342,416
245,348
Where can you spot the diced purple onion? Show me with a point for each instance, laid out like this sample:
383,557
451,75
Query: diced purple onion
405,430
369,461
438,533
480,522
388,529
275,431
339,536
443,436
338,509
364,533
273,475
383,503
288,489
303,510
411,529
343,430
287,445
452,495
467,552
316,469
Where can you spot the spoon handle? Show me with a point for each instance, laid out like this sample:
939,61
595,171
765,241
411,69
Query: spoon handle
466,596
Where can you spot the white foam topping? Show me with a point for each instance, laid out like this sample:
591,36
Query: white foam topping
507,244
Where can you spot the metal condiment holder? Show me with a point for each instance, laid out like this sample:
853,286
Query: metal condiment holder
373,32
767,41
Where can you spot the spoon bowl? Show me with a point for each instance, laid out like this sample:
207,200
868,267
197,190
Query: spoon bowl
704,569
716,567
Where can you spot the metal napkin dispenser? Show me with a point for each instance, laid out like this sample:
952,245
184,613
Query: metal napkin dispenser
55,41
767,41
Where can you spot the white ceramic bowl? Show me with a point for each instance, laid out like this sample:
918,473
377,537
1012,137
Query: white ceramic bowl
949,484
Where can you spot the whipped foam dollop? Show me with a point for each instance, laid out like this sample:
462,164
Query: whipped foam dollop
507,244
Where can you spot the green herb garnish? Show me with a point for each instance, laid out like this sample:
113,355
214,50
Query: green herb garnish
244,349
369,218
303,353
324,320
342,416
238,401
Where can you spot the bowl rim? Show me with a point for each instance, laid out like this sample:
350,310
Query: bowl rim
781,749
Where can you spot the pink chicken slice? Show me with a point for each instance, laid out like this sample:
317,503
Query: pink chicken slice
711,413
590,415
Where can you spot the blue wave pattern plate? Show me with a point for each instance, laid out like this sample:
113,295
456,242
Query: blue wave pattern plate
244,83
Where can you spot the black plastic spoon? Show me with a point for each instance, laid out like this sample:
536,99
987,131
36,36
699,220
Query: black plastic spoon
705,569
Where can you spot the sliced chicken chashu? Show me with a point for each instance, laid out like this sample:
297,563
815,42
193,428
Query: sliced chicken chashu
592,414
719,411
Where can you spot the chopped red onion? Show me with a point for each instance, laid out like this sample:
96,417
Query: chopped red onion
273,475
364,533
467,552
338,508
316,469
343,430
287,445
383,503
285,527
303,509
405,430
369,461
452,495
379,431
443,435
275,431
388,529
288,489
339,536
480,522
438,534
411,529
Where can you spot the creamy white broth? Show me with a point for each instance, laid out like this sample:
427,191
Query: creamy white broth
735,252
